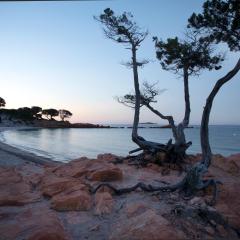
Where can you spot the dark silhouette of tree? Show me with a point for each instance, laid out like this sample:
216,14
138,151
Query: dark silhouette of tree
122,29
219,22
185,58
50,113
24,114
2,102
64,114
36,112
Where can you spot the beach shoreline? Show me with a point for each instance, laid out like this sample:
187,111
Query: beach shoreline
13,156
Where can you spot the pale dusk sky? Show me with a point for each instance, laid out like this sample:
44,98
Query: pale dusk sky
55,55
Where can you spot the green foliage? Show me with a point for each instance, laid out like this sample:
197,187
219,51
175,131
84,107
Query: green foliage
219,21
50,113
2,102
192,55
122,28
63,113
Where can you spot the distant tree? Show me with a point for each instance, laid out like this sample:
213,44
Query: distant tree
24,113
50,113
36,112
122,29
2,102
64,114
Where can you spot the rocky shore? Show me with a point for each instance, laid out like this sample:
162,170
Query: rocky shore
44,200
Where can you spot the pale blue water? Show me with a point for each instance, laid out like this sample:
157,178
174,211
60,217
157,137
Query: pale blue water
67,144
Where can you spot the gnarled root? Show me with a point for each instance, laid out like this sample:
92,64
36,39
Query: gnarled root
174,153
189,185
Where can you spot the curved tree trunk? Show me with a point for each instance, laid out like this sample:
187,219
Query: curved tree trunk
206,149
181,140
137,94
168,118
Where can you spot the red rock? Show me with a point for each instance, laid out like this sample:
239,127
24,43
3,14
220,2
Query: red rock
103,203
95,170
145,226
15,190
108,174
107,157
230,164
228,203
38,223
72,200
135,208
52,185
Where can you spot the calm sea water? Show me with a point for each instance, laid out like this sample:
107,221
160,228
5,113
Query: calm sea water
67,144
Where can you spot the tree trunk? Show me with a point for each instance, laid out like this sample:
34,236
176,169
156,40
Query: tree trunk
181,126
168,118
137,94
206,149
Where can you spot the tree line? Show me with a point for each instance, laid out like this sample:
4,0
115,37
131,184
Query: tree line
33,113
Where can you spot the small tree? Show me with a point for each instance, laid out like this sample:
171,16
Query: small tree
24,113
64,114
2,102
36,112
50,113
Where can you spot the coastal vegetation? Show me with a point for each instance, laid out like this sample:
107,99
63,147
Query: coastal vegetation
29,114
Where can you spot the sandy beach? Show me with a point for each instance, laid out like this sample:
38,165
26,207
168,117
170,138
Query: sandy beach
12,156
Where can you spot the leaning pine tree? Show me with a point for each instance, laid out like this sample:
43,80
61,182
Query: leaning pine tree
186,58
122,29
219,22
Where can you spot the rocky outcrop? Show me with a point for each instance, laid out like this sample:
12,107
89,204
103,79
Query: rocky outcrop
72,200
14,189
38,223
103,203
57,202
146,225
94,170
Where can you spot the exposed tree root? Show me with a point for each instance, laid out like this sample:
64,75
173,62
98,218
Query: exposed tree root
174,153
189,185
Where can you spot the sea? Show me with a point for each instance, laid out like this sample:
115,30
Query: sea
67,144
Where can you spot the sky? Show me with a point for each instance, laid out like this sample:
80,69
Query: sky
55,55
